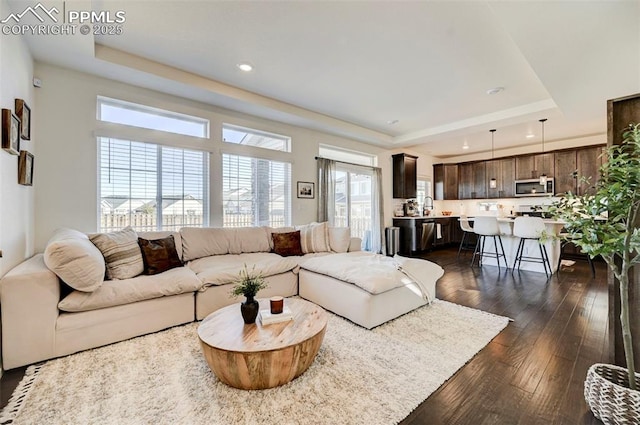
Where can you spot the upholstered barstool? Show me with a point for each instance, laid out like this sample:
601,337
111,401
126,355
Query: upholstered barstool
466,232
530,229
565,242
488,227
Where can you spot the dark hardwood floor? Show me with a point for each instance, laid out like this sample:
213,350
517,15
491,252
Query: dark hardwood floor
533,371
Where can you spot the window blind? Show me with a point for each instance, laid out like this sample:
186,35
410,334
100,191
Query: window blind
256,192
151,187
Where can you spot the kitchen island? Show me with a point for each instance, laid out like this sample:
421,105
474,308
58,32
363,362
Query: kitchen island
510,242
422,233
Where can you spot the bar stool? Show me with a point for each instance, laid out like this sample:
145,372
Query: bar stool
530,228
564,243
466,231
487,227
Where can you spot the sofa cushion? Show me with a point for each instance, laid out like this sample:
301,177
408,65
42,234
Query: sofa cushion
287,244
339,239
223,269
198,242
248,239
75,260
159,255
126,291
314,237
121,252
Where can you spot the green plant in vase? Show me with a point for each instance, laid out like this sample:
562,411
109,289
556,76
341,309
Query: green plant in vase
604,223
248,284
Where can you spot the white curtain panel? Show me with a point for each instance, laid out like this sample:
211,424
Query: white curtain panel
326,190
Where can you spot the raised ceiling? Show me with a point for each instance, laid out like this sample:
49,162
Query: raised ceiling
349,68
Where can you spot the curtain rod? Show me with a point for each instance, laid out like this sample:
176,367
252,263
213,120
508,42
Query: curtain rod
349,163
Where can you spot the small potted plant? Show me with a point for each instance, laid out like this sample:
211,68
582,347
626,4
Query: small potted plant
248,284
604,223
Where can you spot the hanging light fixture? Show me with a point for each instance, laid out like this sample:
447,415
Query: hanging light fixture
493,183
543,176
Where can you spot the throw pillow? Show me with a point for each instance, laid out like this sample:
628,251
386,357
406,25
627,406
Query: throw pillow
121,252
75,260
314,237
159,255
339,239
287,244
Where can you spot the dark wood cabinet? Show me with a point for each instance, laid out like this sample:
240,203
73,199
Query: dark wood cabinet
524,167
503,170
445,177
588,162
571,165
543,164
479,180
565,169
465,180
405,174
472,180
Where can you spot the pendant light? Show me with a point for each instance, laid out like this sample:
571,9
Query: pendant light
493,183
543,176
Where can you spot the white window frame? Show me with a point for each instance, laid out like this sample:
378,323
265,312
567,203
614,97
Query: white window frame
232,127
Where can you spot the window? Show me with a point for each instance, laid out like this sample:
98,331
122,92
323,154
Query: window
255,192
121,112
354,201
257,138
423,189
346,155
151,187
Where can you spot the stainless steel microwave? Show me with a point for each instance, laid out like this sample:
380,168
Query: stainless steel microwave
532,187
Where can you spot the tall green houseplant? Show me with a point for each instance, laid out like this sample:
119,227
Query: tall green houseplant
603,223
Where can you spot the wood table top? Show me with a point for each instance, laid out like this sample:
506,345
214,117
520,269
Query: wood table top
224,329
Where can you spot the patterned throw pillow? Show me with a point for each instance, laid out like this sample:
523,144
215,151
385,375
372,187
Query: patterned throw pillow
159,255
314,237
121,252
287,244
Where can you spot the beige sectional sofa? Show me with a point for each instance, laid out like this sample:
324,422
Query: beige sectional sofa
43,318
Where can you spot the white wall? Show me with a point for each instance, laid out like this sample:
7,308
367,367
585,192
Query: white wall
67,193
16,201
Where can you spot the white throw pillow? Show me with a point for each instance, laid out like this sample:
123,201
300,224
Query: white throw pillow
339,239
314,237
121,252
75,260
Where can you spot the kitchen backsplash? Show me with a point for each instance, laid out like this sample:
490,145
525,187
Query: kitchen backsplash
497,207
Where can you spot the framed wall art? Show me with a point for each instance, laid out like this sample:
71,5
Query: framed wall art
306,190
24,114
10,132
25,168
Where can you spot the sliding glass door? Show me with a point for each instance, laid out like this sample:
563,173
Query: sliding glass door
354,202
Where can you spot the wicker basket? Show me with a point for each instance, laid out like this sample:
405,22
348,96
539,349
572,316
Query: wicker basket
606,391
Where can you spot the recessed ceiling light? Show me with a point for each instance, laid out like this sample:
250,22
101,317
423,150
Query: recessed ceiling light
245,66
530,136
495,90
392,122
465,146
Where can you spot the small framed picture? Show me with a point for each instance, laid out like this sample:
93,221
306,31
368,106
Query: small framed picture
306,190
24,114
10,132
25,168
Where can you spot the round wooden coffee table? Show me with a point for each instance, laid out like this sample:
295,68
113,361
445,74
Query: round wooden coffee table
253,357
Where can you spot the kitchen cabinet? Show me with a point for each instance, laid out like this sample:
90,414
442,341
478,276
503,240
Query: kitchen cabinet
411,232
405,174
445,235
524,167
571,165
565,168
588,162
503,170
472,180
445,178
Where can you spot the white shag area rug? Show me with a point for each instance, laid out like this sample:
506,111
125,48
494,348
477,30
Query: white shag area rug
358,377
